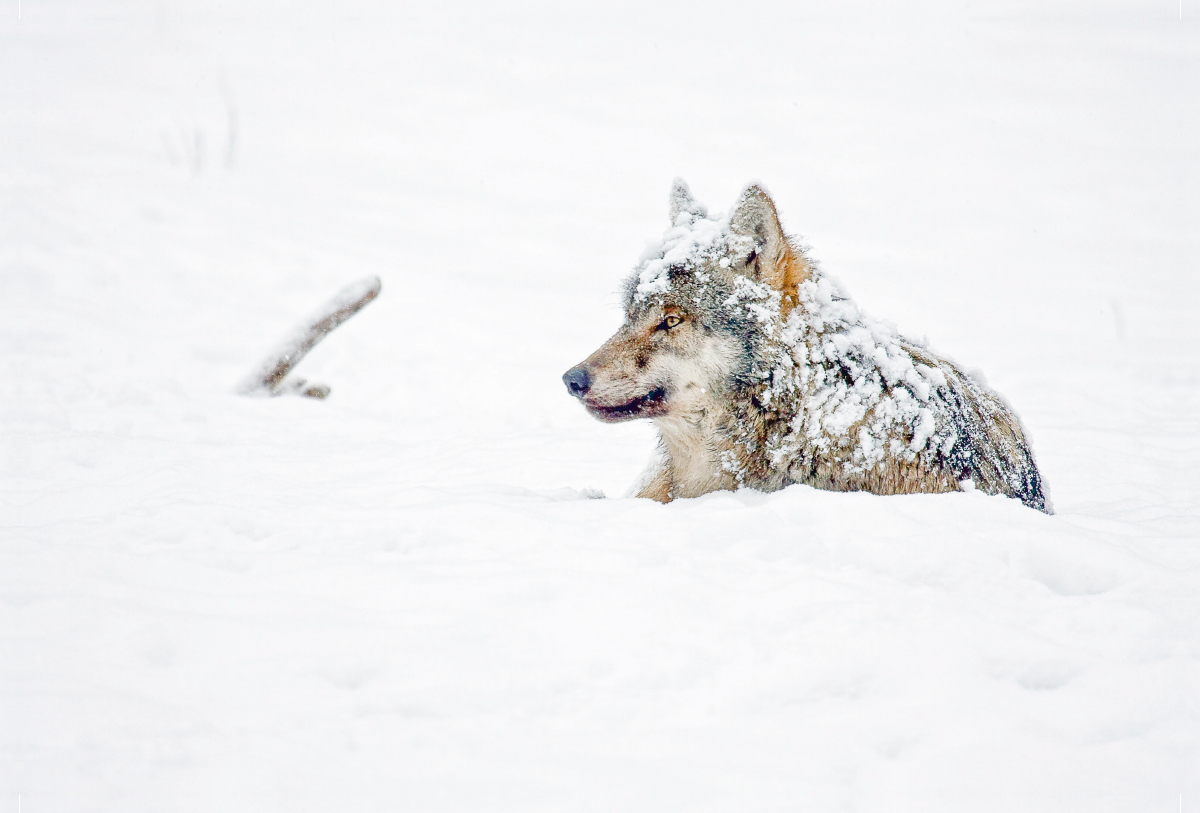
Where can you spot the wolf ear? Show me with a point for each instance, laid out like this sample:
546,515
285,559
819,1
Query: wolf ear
682,203
755,219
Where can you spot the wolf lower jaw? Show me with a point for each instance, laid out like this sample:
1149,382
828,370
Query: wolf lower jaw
650,405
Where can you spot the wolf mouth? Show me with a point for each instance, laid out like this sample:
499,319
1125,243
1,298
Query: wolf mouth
645,406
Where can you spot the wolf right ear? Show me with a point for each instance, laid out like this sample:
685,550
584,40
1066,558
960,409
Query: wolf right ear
755,219
682,203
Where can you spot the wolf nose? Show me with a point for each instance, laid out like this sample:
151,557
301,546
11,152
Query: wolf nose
578,381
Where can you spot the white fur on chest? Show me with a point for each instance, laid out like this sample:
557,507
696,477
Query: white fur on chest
693,451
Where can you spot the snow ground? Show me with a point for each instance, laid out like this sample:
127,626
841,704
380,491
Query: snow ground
399,598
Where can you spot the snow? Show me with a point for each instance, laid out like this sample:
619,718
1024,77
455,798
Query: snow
404,597
886,383
688,239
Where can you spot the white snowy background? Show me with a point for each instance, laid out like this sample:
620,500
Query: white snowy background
399,599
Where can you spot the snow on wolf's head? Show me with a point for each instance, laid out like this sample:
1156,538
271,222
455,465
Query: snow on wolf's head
698,309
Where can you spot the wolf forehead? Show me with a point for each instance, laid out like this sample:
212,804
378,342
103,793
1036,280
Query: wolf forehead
690,269
685,287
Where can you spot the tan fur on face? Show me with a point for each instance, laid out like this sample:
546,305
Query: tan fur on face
618,369
639,358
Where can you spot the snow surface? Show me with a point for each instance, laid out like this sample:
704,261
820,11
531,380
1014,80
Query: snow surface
399,598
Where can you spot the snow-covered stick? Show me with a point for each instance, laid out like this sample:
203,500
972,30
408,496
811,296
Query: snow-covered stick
268,377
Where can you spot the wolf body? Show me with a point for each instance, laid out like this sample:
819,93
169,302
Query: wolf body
758,371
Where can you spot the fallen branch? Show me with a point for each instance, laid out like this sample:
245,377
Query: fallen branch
269,377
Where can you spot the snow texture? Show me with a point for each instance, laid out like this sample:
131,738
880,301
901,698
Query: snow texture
880,378
686,242
404,597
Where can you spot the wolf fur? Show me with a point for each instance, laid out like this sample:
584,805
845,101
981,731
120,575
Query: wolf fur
759,372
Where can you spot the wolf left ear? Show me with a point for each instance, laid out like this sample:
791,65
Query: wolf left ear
755,219
682,202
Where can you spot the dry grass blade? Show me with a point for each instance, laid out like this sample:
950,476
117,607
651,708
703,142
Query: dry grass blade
268,378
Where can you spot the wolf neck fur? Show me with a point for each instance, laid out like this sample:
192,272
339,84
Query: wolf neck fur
694,443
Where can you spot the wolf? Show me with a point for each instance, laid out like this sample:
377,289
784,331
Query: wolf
758,371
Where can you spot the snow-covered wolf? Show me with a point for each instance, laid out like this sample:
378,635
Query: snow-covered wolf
759,372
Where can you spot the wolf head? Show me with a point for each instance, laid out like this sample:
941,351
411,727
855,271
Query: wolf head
698,309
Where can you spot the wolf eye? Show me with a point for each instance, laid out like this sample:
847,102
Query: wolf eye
672,320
